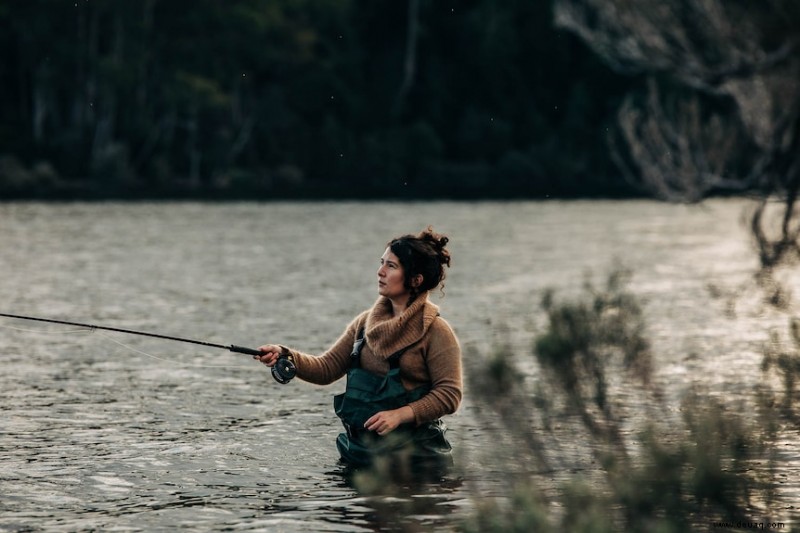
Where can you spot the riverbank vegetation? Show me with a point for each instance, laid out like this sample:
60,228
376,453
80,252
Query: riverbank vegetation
623,456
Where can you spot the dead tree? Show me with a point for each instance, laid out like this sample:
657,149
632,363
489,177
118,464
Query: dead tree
719,108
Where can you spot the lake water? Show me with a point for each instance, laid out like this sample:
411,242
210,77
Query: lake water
115,432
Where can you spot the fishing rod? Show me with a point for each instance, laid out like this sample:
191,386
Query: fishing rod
283,371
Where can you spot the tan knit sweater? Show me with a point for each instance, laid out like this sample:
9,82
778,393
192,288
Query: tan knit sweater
435,359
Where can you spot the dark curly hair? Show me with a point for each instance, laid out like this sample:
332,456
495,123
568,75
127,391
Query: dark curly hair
423,254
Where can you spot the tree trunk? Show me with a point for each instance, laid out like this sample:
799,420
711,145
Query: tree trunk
410,61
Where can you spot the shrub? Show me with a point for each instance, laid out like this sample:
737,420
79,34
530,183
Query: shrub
656,472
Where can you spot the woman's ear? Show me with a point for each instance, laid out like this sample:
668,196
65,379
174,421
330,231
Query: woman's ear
416,281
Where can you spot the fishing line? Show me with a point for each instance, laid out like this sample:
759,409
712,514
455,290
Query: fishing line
157,358
48,331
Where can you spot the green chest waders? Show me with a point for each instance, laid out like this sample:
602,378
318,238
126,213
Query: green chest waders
366,394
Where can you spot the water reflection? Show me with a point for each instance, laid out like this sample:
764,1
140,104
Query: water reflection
403,501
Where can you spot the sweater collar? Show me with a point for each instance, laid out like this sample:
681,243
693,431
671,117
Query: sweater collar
386,334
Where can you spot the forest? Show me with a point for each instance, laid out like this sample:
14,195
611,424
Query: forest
418,99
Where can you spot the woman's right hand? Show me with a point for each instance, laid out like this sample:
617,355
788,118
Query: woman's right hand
269,354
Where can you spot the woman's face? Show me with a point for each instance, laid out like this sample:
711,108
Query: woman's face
391,277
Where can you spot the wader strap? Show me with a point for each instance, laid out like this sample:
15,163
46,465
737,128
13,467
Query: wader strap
355,355
394,359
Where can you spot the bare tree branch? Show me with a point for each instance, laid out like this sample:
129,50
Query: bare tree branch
720,104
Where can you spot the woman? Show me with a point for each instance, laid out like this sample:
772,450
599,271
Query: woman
402,361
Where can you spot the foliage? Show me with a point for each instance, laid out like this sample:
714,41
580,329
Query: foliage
785,363
652,471
287,97
582,339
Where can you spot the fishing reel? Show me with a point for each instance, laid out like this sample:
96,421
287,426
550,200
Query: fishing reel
284,369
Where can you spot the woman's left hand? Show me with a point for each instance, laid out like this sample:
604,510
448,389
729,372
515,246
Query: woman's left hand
385,422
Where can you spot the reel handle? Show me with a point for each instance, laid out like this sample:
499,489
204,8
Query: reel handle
283,370
242,349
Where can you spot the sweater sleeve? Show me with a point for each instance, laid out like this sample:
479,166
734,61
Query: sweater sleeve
332,364
444,366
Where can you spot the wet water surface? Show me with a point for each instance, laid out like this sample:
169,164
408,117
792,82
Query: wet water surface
115,432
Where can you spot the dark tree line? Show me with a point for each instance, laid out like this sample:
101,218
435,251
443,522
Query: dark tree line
405,98
300,97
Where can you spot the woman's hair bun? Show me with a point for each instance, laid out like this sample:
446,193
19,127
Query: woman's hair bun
438,242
